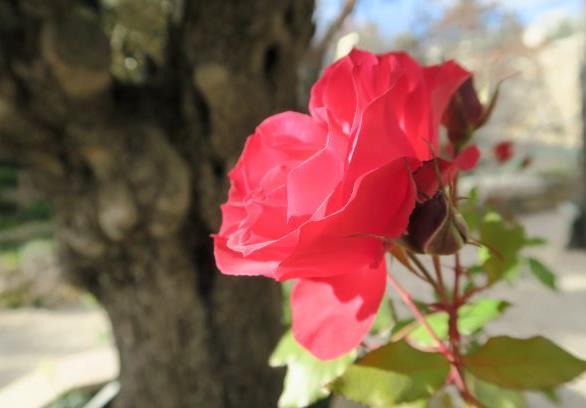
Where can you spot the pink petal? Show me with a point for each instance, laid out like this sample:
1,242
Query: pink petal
234,263
427,180
378,139
380,205
331,316
334,91
284,139
310,183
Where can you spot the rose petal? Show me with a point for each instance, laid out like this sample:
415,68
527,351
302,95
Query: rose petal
332,315
378,139
426,177
334,91
468,158
442,81
284,139
230,262
427,180
379,205
310,183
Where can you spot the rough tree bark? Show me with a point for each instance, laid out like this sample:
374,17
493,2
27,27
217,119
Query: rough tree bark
135,174
578,232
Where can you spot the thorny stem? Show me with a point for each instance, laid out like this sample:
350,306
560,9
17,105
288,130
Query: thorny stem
408,300
469,294
452,353
451,306
453,332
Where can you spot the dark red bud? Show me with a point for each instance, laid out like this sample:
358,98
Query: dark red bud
436,228
503,151
465,113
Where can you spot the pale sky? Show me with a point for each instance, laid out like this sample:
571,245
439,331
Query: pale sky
395,16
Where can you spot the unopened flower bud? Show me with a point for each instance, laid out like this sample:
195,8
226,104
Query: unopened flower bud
503,151
436,228
465,113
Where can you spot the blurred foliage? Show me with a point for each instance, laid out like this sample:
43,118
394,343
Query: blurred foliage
8,176
15,210
472,318
306,375
38,210
74,399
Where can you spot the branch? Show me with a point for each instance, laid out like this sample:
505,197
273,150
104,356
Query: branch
314,58
335,27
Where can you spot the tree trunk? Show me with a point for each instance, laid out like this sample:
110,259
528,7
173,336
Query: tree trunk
181,348
578,232
136,173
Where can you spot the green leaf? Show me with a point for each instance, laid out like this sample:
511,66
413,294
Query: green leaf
441,399
476,269
286,288
422,403
470,210
438,322
306,376
542,273
532,363
504,241
393,374
513,272
535,241
493,396
474,316
471,318
552,395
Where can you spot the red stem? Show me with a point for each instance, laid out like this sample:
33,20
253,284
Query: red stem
454,336
408,300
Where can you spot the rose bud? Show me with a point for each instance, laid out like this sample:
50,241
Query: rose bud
465,113
503,151
436,228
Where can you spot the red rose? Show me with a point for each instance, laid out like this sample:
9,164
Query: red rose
503,151
309,192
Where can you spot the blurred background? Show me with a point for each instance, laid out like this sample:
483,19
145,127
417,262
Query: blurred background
56,342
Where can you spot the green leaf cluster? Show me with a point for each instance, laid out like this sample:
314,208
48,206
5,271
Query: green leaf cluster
503,241
501,256
471,318
307,376
393,375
